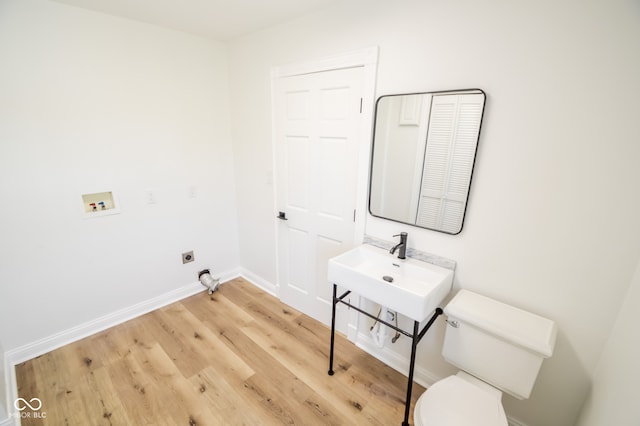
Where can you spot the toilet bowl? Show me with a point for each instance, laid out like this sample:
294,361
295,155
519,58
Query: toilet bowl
498,349
460,400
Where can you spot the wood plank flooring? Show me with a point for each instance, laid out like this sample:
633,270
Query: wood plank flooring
237,357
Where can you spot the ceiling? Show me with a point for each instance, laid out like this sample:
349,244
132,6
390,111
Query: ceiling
215,19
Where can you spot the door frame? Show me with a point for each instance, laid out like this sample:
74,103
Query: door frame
367,59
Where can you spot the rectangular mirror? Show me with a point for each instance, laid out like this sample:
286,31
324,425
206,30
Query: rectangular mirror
424,148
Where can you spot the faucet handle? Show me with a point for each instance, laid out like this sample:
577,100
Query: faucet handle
402,234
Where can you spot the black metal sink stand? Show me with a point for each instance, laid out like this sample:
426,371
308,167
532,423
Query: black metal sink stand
415,337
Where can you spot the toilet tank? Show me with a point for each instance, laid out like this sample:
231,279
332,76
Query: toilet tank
497,343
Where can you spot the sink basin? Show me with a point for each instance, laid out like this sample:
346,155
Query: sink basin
410,287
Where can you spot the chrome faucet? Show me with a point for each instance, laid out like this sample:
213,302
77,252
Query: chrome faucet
402,246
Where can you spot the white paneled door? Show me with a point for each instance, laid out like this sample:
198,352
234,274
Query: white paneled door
317,124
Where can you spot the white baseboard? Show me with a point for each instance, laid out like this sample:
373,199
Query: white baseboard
47,344
4,417
398,362
259,282
352,332
11,388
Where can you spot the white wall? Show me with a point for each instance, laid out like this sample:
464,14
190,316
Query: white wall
91,103
613,399
3,388
552,218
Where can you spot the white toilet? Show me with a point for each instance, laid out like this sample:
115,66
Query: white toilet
499,348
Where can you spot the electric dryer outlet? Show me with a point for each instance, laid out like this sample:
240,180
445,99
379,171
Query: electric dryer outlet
188,257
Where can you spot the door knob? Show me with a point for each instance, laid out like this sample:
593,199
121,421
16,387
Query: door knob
282,216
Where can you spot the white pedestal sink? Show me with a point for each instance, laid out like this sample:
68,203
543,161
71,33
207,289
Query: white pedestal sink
408,286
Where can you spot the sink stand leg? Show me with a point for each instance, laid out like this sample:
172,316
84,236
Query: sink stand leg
414,346
333,328
415,339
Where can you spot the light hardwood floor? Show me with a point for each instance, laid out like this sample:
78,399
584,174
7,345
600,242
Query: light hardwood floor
239,356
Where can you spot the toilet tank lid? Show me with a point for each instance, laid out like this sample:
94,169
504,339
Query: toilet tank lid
524,328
